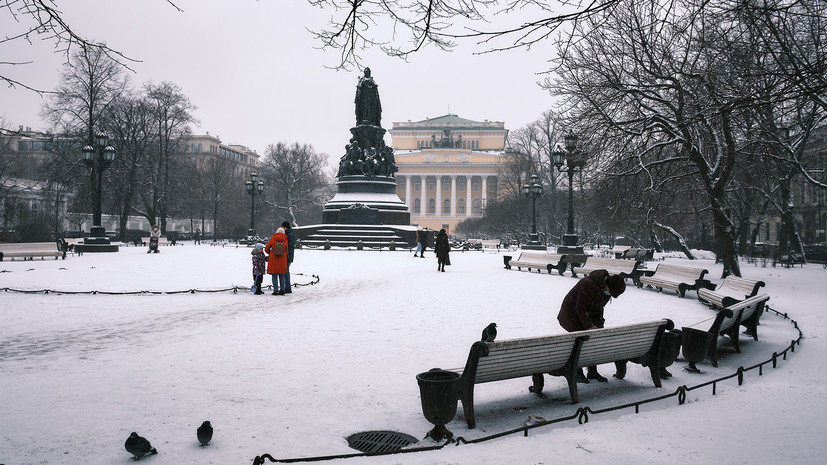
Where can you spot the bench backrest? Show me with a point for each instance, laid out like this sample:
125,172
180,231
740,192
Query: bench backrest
613,265
541,257
679,271
749,306
26,246
619,342
515,358
739,287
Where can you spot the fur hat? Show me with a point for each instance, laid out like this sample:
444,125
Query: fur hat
280,230
616,284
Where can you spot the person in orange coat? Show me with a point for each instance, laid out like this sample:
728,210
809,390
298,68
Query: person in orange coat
277,250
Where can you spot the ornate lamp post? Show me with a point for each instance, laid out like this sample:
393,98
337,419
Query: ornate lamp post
533,190
253,189
98,158
574,159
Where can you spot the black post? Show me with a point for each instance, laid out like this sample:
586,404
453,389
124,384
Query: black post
570,229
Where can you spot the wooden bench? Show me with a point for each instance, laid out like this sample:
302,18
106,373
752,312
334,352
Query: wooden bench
490,244
676,277
161,241
728,321
789,260
624,268
558,355
29,250
619,250
733,289
634,253
539,261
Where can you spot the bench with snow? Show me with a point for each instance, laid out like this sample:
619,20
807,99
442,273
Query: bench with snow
789,260
559,355
728,321
634,253
491,244
625,268
161,241
539,261
675,277
733,289
29,250
619,250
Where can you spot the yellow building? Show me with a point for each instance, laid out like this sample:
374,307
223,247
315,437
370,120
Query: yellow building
448,167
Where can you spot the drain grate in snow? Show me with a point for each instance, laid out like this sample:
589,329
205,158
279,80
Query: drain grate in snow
379,441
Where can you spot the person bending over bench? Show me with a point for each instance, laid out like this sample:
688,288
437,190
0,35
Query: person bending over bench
582,309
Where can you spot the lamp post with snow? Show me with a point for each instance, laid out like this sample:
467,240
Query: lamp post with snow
533,190
253,188
574,160
98,156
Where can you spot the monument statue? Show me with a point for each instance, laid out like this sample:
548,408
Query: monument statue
368,107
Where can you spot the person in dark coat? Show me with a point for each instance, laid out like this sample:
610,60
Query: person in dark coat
582,309
423,239
291,243
442,249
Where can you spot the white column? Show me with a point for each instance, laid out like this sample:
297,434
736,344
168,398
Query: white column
423,196
409,192
438,210
484,193
468,198
454,195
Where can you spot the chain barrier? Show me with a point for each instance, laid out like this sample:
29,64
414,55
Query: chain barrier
235,288
581,414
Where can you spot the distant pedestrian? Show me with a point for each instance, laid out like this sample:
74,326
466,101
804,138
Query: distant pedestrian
442,249
197,236
276,250
418,242
423,240
154,237
259,266
291,243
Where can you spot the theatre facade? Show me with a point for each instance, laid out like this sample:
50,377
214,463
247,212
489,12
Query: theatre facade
448,167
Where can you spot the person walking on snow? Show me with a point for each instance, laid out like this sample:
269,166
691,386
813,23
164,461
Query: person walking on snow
277,250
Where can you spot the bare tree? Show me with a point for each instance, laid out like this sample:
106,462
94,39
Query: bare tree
130,124
297,175
402,27
42,20
172,115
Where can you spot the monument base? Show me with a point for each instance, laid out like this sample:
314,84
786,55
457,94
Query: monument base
366,200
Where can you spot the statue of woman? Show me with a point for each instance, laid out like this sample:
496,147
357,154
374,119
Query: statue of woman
368,108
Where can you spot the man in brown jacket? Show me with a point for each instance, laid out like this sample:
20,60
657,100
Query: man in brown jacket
582,309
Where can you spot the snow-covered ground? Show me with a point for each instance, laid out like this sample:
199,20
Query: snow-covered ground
294,375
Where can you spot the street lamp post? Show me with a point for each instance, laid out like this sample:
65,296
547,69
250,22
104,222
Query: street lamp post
574,159
98,157
533,190
253,189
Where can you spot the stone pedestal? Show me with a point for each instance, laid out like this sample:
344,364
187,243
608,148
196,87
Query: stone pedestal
371,199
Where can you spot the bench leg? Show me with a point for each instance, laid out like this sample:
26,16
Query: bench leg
538,383
467,399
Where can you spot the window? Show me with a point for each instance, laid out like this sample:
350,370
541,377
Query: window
416,186
461,187
417,204
446,207
476,187
431,187
446,187
431,206
461,206
477,207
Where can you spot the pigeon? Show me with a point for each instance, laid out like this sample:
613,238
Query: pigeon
204,433
489,333
138,446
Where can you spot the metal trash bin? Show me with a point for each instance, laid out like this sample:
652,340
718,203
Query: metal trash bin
438,394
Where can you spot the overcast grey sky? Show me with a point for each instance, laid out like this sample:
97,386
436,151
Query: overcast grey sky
257,77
